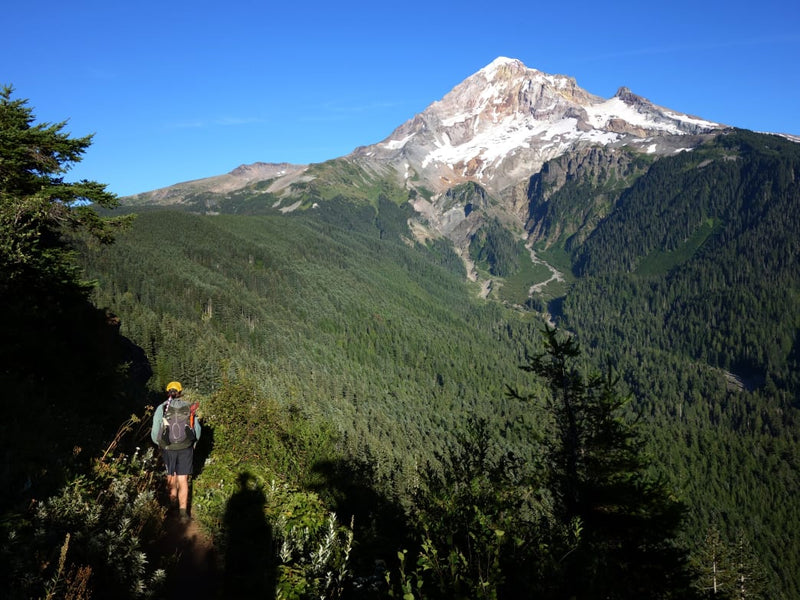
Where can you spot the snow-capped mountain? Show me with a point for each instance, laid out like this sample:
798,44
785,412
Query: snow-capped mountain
504,122
496,129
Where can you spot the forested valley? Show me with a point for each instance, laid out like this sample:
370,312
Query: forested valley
371,428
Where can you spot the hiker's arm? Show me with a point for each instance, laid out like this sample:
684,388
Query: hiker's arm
155,430
197,427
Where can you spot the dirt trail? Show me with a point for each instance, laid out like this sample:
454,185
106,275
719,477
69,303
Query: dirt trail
195,573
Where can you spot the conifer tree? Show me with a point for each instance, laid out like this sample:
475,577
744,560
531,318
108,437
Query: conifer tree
728,570
36,205
56,349
625,521
712,564
749,576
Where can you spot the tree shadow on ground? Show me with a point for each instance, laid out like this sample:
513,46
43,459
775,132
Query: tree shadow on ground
250,571
380,524
68,377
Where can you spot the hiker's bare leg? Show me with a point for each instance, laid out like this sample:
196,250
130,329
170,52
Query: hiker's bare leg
182,482
173,487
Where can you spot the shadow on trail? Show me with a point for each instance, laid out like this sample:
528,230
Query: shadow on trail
191,559
250,571
193,571
242,568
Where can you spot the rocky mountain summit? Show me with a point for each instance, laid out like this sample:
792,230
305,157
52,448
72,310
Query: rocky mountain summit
503,123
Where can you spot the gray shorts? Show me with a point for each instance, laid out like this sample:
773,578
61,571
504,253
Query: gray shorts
179,462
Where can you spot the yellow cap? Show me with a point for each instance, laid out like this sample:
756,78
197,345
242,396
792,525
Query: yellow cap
174,385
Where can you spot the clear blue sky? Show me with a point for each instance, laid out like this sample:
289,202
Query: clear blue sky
176,90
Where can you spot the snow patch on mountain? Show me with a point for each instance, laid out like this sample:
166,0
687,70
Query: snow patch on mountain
395,144
599,116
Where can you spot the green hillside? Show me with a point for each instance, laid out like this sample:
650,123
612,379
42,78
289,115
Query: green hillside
371,333
376,337
408,371
691,287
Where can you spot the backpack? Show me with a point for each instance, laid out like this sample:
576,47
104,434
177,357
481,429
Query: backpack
177,425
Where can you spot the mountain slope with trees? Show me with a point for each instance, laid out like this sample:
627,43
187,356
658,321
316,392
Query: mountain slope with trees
704,412
690,286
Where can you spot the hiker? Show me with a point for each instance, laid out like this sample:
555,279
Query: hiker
175,430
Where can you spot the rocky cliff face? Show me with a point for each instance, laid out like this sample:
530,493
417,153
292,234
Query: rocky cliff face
573,192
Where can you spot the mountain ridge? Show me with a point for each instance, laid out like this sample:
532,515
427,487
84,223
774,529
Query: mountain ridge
496,128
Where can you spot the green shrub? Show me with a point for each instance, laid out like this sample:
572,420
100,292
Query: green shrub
274,537
89,540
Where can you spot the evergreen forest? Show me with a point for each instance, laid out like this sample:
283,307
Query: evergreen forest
372,427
